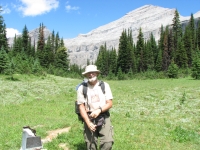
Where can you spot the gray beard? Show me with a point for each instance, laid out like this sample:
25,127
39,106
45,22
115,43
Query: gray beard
92,79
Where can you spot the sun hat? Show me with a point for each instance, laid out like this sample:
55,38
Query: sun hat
90,68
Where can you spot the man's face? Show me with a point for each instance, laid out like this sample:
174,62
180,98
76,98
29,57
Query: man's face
92,76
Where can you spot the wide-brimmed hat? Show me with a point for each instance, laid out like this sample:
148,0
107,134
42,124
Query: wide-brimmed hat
90,68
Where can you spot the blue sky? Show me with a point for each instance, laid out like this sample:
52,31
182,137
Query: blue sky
72,17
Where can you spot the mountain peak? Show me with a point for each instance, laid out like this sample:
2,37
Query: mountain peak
148,17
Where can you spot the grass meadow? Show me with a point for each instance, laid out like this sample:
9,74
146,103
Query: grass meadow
161,114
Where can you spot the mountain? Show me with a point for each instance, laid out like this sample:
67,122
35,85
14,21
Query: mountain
149,18
86,46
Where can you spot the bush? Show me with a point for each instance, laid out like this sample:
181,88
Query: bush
196,68
172,71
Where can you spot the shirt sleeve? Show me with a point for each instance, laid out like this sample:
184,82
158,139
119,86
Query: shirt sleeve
108,92
80,96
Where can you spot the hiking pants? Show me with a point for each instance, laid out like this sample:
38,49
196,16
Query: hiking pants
104,133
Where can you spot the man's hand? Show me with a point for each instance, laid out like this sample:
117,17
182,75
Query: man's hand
92,126
95,113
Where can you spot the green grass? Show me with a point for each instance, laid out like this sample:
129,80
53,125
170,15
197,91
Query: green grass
146,114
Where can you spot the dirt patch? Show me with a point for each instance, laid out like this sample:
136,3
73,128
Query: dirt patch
63,146
53,134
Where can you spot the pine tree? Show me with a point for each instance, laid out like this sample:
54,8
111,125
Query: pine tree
140,51
104,61
25,40
196,66
145,56
122,52
57,41
134,65
158,65
40,45
99,60
17,45
191,26
188,45
61,59
130,53
198,34
181,55
153,52
172,70
3,38
53,42
176,32
41,41
113,61
45,60
166,55
4,60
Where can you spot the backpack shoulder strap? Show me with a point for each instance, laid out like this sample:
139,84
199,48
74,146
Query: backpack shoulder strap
101,83
84,89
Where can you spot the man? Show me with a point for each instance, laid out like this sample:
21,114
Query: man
94,110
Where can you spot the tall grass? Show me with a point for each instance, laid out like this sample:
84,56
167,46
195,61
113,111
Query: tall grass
146,114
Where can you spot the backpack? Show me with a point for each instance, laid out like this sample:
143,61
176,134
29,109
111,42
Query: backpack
101,83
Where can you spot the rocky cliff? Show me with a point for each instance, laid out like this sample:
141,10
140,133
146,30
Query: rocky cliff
149,18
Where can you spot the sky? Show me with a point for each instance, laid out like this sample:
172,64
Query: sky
69,18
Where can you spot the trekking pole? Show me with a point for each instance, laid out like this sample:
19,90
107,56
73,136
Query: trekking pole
92,137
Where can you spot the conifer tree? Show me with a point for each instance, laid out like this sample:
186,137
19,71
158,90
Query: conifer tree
198,34
134,65
4,60
62,43
172,70
40,45
171,51
61,59
53,42
176,28
145,56
57,41
188,45
122,52
153,52
161,41
181,55
25,40
130,52
113,61
158,65
17,45
140,51
99,60
196,66
3,38
46,54
31,49
41,40
104,61
166,54
191,26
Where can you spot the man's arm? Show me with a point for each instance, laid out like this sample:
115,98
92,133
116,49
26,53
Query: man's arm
107,106
85,117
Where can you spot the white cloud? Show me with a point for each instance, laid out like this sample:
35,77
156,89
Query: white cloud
10,32
37,7
69,8
5,10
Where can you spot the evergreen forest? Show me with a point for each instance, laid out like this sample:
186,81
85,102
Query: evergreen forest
176,54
